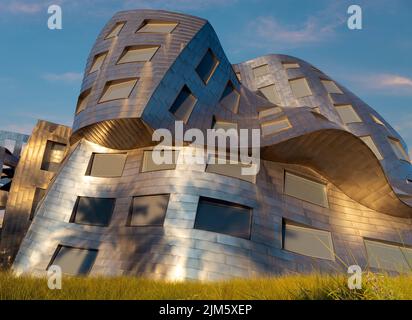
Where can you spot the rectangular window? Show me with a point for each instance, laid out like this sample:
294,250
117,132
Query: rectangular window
331,86
398,149
93,211
137,54
377,120
2,211
270,93
347,113
83,101
369,141
290,65
98,62
148,210
38,196
261,71
157,26
306,189
223,217
116,30
300,87
228,169
184,104
107,165
230,98
275,126
74,261
269,112
118,89
384,256
207,66
169,158
225,125
53,155
307,241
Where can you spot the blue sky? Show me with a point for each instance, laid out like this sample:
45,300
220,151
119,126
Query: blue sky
41,69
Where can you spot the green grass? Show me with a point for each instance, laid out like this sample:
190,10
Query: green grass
314,286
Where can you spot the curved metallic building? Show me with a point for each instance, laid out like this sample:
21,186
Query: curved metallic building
334,186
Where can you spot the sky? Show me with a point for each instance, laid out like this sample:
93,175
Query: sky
41,69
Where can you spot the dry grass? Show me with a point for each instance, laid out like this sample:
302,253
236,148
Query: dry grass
314,286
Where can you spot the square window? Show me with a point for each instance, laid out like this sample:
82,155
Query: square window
138,54
398,149
106,165
261,71
83,101
331,86
270,93
223,217
184,104
148,210
118,89
169,158
307,241
207,66
98,62
93,211
38,196
114,32
157,26
347,114
300,88
225,125
306,189
369,141
230,98
275,126
74,261
53,156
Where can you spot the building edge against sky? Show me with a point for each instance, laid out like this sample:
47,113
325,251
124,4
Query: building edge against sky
334,188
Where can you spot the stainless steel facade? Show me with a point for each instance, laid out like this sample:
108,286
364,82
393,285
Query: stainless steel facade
368,193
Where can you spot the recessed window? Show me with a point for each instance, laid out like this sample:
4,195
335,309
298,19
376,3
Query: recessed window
391,257
306,189
275,126
307,241
270,93
83,101
290,65
183,106
230,169
398,149
316,109
74,261
239,76
118,89
369,141
377,120
225,125
300,87
148,210
207,66
223,217
38,196
347,114
53,155
107,165
269,112
331,86
230,98
137,54
116,30
98,62
2,212
93,211
261,71
157,26
409,181
167,159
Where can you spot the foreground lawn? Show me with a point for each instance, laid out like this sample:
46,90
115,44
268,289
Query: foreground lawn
313,286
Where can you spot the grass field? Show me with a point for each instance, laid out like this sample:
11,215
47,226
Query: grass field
313,286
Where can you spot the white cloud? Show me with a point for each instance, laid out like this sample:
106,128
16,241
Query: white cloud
176,4
67,77
21,7
383,83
